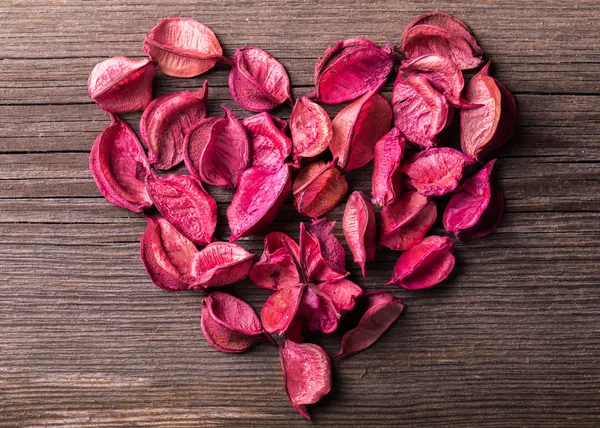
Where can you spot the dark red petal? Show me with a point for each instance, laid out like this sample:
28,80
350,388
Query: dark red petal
357,128
165,123
167,255
424,265
280,309
119,167
435,171
322,254
405,222
257,81
306,373
182,47
318,312
476,208
318,188
311,129
270,147
121,84
342,293
185,204
360,228
387,180
260,195
488,127
221,263
350,69
420,112
381,311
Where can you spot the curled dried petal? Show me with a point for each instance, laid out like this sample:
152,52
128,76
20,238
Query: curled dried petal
476,208
322,255
350,69
318,188
221,263
185,204
420,112
278,264
405,222
435,171
441,34
380,312
342,293
119,167
167,120
360,229
488,127
269,145
424,265
228,323
257,81
260,195
311,129
443,73
387,180
167,255
182,47
120,84
357,128
217,151
317,312
280,309
306,374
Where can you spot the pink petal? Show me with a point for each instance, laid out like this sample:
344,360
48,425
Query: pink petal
185,204
322,254
279,310
221,263
318,312
119,167
311,129
387,180
360,229
269,145
277,272
342,293
318,188
222,338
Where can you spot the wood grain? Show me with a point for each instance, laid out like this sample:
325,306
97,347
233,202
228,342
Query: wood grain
511,339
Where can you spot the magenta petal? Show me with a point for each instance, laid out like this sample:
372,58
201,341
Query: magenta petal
424,265
167,255
280,309
387,180
257,81
318,188
323,256
381,311
342,293
306,374
185,204
119,167
278,272
260,195
270,147
221,263
360,229
120,84
311,129
318,311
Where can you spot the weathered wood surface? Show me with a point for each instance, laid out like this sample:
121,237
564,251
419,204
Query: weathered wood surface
512,339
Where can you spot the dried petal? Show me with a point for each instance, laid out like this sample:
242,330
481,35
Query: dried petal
435,171
119,167
357,128
121,84
406,222
476,208
221,263
360,229
185,204
317,312
318,188
387,180
488,127
311,129
167,120
228,323
278,265
269,145
279,310
350,69
342,293
306,374
420,112
424,265
182,47
441,34
167,255
322,255
217,151
257,81
260,195
380,312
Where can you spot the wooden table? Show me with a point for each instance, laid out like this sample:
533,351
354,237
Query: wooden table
86,340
